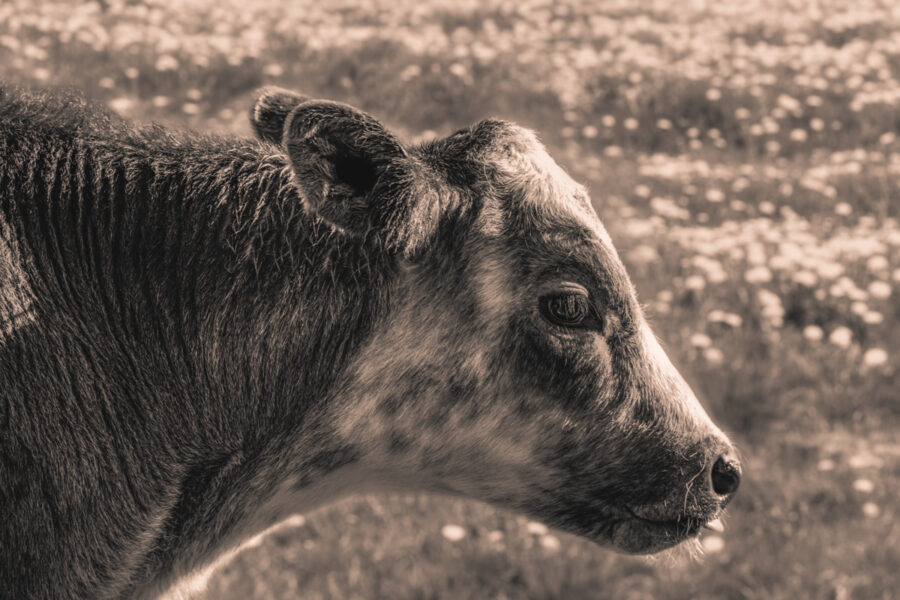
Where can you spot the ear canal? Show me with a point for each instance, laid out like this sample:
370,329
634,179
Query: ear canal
355,174
270,110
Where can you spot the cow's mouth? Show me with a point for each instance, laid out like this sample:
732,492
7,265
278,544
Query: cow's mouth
688,524
643,534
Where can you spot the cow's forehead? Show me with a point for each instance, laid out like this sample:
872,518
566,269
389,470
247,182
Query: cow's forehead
526,174
514,176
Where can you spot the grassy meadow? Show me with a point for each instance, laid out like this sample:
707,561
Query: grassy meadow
745,156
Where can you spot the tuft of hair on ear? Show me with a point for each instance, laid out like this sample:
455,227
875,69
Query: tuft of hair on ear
269,112
410,213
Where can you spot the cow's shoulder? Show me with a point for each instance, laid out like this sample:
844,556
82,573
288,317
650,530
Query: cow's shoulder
60,110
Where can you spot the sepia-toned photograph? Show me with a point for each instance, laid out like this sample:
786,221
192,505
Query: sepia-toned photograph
449,299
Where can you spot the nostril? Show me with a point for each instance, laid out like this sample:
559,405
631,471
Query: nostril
726,476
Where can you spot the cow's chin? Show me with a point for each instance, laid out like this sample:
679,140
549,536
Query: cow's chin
638,534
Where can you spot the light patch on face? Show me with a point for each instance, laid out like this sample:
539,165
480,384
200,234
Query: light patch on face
399,408
15,293
421,336
673,385
491,221
403,347
494,290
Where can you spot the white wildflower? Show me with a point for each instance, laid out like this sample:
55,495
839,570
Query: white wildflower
695,283
843,209
536,528
760,274
714,195
121,104
841,337
550,543
864,485
454,533
875,357
880,289
713,355
813,333
701,340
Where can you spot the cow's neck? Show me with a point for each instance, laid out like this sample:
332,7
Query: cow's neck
200,268
216,316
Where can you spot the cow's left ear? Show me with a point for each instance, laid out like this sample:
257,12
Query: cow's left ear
356,175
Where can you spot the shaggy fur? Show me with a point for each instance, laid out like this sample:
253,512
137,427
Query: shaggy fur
203,335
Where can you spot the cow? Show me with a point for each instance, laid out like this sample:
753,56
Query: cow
201,336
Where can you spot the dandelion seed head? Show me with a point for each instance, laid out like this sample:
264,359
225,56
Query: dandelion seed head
875,357
166,62
841,337
536,528
826,464
871,510
613,151
880,289
713,94
864,486
813,333
274,70
454,533
700,340
715,195
121,104
799,135
713,355
766,207
873,317
843,209
695,283
549,543
759,274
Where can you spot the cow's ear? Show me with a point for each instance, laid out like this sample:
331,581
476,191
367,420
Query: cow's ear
356,175
270,110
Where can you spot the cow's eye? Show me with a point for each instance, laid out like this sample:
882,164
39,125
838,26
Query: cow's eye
567,309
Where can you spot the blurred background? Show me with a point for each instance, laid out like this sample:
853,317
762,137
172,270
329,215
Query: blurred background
744,155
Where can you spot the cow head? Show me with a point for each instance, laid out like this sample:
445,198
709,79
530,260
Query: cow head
514,364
